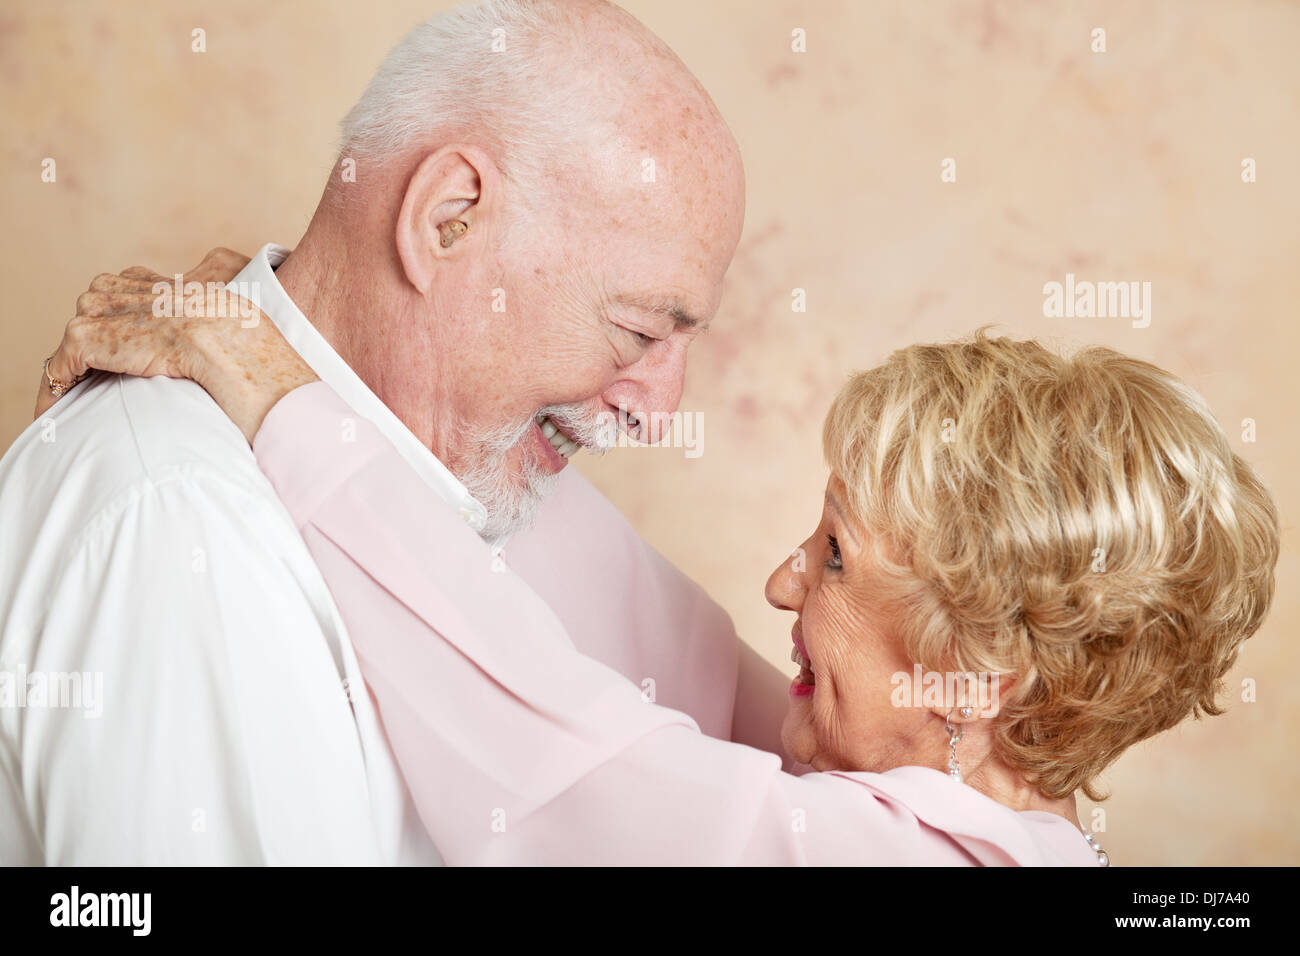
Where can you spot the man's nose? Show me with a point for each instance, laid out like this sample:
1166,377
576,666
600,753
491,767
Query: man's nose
651,389
785,588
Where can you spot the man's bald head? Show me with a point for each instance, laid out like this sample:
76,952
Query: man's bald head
550,88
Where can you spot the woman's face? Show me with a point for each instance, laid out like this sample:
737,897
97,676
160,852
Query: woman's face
840,714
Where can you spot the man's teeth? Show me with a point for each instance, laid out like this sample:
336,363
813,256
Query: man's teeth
559,441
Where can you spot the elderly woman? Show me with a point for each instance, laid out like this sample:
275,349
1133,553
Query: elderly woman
1025,564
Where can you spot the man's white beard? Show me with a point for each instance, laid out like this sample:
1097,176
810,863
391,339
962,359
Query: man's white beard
512,501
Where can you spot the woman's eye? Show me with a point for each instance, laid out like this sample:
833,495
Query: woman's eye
834,562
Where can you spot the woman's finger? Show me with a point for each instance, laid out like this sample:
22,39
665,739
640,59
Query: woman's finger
105,303
63,367
219,265
144,273
69,361
108,282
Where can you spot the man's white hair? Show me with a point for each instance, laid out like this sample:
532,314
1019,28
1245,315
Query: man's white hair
492,72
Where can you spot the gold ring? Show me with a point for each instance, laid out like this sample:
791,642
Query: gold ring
56,387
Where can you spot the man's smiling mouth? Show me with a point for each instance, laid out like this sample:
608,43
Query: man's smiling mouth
561,442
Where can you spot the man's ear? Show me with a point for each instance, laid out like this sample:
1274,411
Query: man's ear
450,184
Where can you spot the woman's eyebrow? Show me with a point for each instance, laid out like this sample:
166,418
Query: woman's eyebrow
834,504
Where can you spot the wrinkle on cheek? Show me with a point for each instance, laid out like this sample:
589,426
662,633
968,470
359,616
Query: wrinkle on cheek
566,330
843,643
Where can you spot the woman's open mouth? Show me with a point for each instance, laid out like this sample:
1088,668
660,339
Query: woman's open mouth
803,684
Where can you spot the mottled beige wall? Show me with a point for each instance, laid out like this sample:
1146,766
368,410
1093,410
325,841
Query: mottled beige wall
1123,165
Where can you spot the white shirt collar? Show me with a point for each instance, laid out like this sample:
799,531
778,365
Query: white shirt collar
265,290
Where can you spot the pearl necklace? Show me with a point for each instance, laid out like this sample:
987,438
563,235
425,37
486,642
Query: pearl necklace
1103,859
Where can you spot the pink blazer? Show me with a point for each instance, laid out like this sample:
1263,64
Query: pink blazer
520,749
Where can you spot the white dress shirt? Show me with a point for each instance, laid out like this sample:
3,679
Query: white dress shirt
176,685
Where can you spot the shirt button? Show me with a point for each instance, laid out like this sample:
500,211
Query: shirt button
467,515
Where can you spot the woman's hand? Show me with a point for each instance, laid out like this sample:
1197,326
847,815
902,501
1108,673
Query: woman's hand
220,341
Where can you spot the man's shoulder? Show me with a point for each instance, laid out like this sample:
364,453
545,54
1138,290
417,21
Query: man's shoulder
115,433
127,476
120,455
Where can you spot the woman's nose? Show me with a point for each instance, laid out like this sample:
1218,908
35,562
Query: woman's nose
785,588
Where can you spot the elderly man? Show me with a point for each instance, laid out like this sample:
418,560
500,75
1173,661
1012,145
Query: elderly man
528,225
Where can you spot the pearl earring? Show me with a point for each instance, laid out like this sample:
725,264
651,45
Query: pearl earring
955,734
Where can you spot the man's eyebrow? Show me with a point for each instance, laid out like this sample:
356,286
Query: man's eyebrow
682,317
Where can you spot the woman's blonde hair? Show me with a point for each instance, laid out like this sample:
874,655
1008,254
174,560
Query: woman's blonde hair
1078,525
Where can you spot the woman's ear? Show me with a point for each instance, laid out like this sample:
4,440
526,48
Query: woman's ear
968,697
441,209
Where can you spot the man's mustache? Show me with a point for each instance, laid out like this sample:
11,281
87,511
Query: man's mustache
596,432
